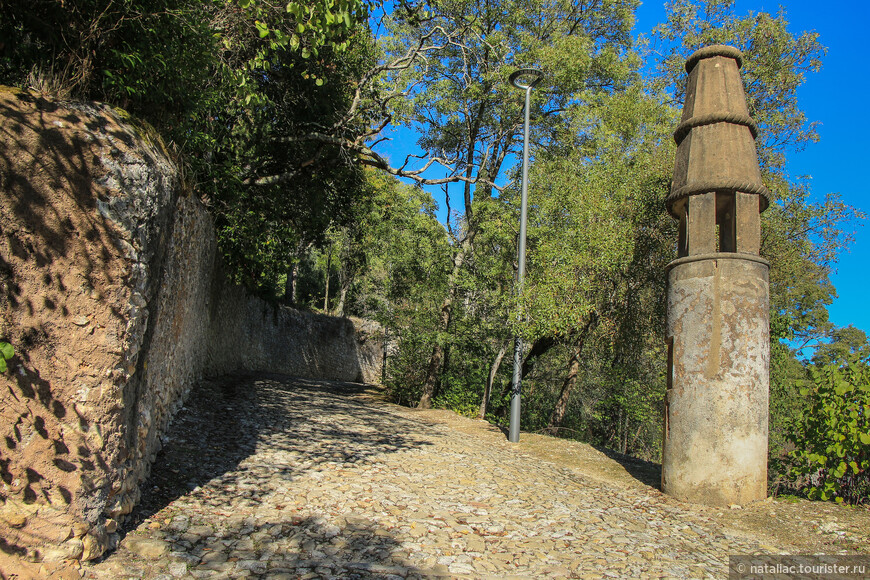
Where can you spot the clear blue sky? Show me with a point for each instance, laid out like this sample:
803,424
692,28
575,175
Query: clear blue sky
837,97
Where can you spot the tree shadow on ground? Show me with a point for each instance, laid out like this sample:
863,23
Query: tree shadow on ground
646,472
306,424
234,446
293,546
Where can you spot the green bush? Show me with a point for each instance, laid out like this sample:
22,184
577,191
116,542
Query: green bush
832,433
6,352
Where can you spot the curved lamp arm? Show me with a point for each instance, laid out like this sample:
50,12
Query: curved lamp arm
532,75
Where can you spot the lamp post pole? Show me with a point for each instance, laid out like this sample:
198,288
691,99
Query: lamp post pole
532,76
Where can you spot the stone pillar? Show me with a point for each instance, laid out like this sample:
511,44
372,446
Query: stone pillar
716,406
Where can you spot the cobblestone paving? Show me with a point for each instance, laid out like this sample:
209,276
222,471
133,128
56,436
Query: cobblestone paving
270,477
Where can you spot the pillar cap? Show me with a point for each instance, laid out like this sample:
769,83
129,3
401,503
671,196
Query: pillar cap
710,52
715,139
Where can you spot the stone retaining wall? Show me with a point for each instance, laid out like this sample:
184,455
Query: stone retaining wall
247,333
112,299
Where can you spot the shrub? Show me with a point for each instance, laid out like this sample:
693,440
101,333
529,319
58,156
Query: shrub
6,352
832,433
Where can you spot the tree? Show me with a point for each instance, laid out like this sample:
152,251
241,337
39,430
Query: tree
845,344
800,237
775,64
469,117
396,256
222,81
598,245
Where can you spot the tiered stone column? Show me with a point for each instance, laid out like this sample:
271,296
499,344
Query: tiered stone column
716,407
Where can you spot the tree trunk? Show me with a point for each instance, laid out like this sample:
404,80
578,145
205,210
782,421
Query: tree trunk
326,293
484,402
345,278
432,375
293,274
619,429
568,384
466,247
384,355
342,296
570,381
625,435
436,359
540,347
445,369
290,285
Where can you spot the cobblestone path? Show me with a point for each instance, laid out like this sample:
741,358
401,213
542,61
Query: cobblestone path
271,477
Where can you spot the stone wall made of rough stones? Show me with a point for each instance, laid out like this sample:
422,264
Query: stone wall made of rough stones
246,334
110,294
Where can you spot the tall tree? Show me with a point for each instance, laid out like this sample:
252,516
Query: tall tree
598,236
468,116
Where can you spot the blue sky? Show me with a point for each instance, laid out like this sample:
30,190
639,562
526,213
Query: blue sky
836,97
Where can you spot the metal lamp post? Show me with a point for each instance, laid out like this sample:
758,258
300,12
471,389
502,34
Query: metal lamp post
532,77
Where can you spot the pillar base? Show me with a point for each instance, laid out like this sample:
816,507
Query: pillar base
716,406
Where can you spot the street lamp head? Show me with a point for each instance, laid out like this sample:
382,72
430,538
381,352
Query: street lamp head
532,76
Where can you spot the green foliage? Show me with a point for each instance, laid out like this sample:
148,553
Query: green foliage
458,398
276,195
598,245
386,255
327,23
832,433
164,51
785,404
464,110
843,344
225,82
802,239
6,353
154,57
389,263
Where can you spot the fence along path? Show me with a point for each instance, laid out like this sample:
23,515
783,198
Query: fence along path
275,477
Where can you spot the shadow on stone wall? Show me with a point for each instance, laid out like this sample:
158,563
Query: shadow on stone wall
70,243
58,147
248,333
111,296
